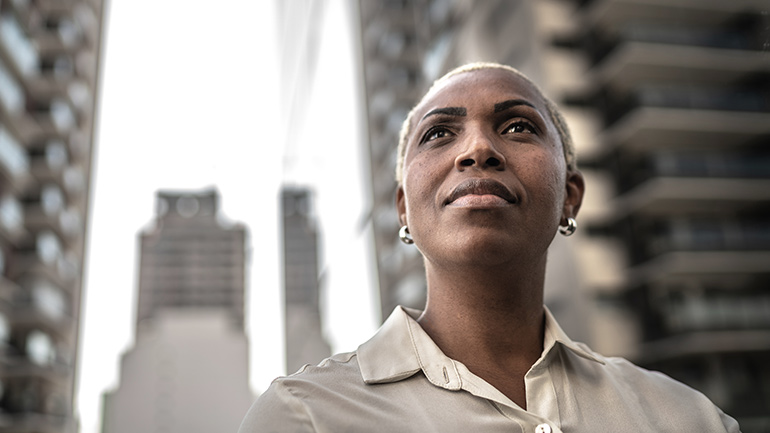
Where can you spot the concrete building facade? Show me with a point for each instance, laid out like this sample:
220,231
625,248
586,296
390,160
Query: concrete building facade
49,74
188,371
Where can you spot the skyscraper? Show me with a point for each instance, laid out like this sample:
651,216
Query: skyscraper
305,343
188,371
49,57
668,106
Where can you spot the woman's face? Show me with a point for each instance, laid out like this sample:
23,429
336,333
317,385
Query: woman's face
485,179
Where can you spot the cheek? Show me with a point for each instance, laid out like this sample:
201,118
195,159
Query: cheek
547,178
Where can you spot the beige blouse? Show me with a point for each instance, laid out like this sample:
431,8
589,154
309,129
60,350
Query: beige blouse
400,381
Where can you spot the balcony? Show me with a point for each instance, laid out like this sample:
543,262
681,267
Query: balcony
31,315
686,266
613,15
31,422
652,128
57,118
634,63
48,164
661,196
703,343
48,264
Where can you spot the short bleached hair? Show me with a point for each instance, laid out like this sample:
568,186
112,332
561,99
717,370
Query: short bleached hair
553,111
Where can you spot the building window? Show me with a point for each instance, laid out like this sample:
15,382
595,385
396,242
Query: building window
49,299
11,213
18,45
51,199
40,348
11,93
48,247
62,115
12,155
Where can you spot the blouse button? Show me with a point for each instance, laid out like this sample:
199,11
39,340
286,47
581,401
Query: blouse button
543,428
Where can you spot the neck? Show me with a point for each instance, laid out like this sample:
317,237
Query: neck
491,320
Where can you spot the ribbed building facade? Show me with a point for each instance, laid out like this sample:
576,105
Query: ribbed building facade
668,103
682,94
188,371
305,343
49,57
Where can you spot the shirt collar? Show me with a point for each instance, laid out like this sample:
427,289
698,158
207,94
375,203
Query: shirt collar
554,334
401,348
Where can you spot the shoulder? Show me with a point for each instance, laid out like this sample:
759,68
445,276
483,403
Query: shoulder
290,403
657,393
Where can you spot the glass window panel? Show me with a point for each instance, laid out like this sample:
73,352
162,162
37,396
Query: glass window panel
5,329
49,299
48,247
74,181
71,222
40,348
51,199
11,93
62,114
56,154
11,213
12,155
18,45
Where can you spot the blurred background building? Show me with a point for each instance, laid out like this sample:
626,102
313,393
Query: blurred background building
669,106
49,57
188,371
305,343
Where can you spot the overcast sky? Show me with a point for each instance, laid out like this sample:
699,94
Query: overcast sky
190,100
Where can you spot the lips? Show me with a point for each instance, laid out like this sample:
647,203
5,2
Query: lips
482,187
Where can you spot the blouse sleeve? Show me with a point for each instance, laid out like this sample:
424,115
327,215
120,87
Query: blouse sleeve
277,410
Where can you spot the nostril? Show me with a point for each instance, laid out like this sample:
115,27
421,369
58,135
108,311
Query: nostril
467,162
493,162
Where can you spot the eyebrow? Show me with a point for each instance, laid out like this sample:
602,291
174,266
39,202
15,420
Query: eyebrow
450,111
502,106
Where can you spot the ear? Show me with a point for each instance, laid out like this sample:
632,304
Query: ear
401,205
575,188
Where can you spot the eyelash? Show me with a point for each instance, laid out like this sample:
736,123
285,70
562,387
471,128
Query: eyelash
431,132
528,125
440,129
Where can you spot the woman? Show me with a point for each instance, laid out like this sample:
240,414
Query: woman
486,176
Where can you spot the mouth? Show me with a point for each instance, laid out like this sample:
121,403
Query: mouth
483,191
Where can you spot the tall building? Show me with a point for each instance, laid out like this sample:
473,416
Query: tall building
668,105
305,343
682,93
188,371
49,57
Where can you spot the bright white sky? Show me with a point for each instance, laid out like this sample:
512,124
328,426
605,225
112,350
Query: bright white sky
190,100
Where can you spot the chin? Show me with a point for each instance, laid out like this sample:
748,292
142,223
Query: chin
480,250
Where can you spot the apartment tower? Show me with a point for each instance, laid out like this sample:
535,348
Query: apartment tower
49,74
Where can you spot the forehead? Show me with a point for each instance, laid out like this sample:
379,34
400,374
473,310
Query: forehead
481,86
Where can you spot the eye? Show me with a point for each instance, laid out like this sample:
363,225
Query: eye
520,126
435,134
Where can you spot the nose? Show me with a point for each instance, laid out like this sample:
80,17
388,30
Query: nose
480,152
